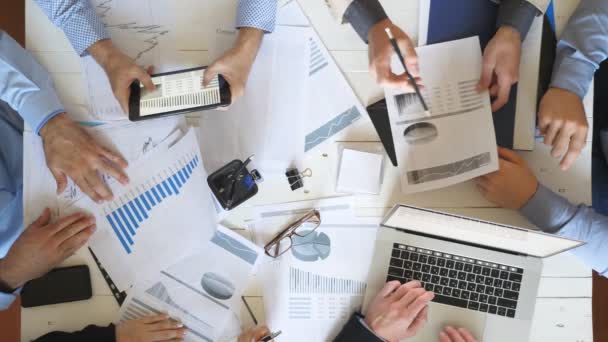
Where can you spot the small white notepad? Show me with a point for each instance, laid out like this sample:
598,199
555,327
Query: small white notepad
360,172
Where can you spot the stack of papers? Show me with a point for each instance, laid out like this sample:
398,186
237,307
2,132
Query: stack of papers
456,142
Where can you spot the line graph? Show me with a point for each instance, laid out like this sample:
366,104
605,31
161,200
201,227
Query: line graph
448,170
332,127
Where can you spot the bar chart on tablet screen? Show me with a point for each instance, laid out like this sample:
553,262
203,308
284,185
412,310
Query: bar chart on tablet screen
129,213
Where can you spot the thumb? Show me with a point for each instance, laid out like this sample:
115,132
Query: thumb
60,179
509,155
487,71
209,74
44,218
146,80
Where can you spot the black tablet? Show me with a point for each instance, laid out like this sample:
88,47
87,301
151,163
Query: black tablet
177,92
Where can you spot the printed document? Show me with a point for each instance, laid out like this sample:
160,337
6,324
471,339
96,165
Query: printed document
456,142
203,290
166,200
307,293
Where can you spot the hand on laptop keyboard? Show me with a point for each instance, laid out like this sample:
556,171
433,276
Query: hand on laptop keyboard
397,306
450,334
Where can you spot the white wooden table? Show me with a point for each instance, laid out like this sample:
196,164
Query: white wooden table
563,310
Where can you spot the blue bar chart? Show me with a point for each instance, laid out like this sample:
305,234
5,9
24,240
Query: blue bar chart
129,213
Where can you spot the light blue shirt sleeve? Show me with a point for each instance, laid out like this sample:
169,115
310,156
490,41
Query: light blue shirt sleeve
260,14
582,47
554,214
25,85
78,20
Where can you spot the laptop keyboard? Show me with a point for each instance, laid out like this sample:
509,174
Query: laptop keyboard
459,281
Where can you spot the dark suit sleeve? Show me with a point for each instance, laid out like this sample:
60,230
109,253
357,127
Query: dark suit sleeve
518,14
363,14
355,331
91,333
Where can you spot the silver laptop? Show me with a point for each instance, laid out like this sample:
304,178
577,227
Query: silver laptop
484,275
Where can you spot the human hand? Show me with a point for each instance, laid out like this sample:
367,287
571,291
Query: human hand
562,120
449,334
500,69
71,151
380,52
152,328
398,311
254,335
121,71
512,185
236,63
43,246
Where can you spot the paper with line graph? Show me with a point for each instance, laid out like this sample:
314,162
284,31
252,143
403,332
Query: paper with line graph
456,142
161,216
202,290
307,291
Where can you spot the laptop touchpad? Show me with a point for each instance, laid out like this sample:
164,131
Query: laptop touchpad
441,315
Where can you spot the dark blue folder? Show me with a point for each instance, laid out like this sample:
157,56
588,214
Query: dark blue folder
452,20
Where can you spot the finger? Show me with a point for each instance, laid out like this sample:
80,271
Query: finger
453,334
552,131
167,335
509,155
115,172
578,142
468,337
44,218
71,245
145,79
443,337
411,296
150,69
543,121
504,88
210,74
409,53
419,321
86,188
389,288
259,333
60,179
493,90
74,229
66,222
420,302
401,82
111,156
98,185
482,182
487,70
560,144
167,324
154,318
405,288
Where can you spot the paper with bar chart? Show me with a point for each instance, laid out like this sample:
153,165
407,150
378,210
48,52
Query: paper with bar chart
167,200
306,291
456,142
198,290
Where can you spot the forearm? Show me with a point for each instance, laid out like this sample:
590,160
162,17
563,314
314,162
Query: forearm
582,47
518,14
248,43
77,19
25,85
554,214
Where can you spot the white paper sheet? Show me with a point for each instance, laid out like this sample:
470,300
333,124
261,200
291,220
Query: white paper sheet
142,29
266,120
167,200
457,142
130,140
360,172
308,295
203,290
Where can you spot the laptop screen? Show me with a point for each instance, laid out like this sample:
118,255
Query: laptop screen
478,232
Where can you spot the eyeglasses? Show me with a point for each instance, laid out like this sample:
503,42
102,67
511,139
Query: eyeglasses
302,227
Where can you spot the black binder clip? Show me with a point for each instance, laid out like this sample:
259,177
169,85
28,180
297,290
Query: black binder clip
233,183
295,177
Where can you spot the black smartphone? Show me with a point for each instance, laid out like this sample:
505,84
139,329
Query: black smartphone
61,285
177,92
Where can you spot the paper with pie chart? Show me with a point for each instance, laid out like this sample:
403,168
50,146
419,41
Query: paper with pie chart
202,290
